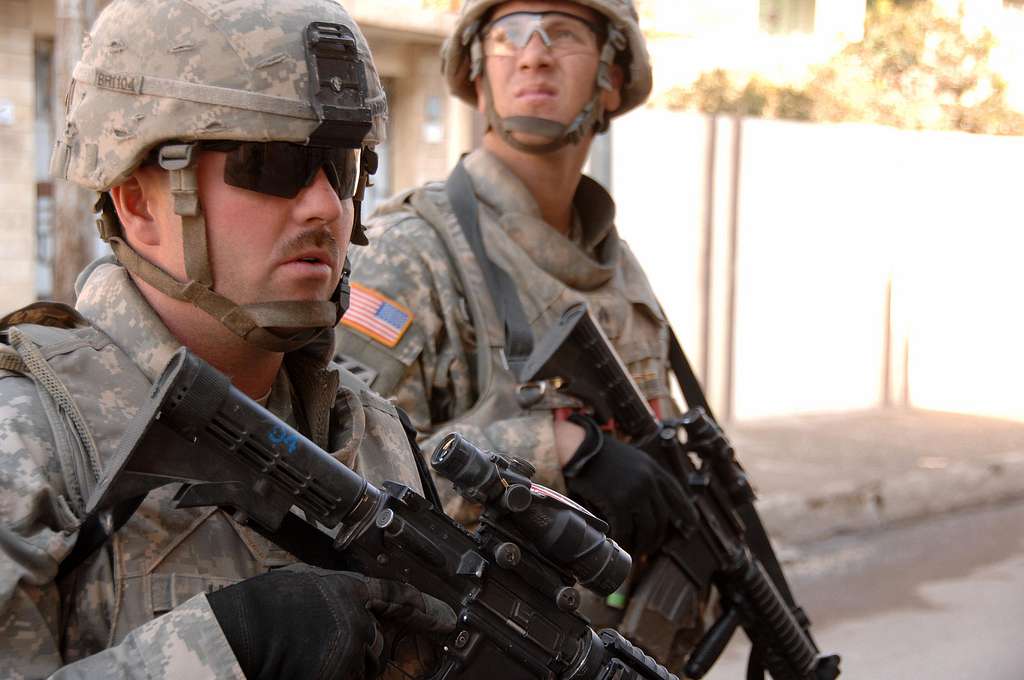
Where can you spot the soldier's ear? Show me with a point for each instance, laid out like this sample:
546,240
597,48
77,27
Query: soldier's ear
135,200
612,99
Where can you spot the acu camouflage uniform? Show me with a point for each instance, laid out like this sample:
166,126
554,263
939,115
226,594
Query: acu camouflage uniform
448,370
137,607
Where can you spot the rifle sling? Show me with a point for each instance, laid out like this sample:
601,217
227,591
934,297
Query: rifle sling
757,537
518,336
94,533
688,383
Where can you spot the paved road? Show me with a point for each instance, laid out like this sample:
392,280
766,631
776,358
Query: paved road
940,600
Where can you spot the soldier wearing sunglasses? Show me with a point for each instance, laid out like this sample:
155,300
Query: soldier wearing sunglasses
463,275
229,144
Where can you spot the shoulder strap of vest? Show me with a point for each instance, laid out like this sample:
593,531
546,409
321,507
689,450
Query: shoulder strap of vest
24,334
518,336
470,277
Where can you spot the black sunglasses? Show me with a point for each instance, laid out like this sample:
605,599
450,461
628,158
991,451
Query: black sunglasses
283,169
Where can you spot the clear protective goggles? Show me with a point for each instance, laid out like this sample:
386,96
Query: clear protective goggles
283,169
560,32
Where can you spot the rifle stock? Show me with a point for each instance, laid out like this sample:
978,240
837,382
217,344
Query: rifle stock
718,537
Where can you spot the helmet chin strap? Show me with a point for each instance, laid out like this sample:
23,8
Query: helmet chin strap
591,119
281,326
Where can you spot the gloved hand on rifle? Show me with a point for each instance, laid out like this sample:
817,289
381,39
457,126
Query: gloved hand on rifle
305,622
624,486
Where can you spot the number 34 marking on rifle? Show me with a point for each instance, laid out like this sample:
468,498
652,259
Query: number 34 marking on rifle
279,436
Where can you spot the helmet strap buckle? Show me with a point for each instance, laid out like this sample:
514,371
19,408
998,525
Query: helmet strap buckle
175,156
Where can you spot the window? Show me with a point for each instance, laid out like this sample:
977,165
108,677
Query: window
44,186
780,17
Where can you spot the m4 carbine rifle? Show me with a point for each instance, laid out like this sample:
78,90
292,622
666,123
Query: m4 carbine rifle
718,538
511,583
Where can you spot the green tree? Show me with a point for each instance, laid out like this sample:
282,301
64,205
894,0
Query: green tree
914,69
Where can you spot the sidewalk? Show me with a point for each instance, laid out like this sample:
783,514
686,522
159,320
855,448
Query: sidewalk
817,476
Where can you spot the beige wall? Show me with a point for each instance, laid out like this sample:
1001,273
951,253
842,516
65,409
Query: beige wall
17,154
421,150
828,219
419,147
690,38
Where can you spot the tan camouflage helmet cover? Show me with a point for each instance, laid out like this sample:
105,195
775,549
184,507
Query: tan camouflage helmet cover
457,57
159,70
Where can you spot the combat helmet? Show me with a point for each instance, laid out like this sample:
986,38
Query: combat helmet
463,62
161,77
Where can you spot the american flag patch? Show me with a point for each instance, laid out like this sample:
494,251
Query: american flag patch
377,316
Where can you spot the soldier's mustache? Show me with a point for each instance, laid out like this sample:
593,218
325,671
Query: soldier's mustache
321,240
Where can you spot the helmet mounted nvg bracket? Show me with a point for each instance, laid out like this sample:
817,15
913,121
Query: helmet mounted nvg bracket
338,93
338,90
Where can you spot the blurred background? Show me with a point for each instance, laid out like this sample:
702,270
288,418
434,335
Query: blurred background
824,194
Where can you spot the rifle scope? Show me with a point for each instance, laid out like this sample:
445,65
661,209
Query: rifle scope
561,531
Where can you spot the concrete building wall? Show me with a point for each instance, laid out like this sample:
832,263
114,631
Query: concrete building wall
831,267
17,155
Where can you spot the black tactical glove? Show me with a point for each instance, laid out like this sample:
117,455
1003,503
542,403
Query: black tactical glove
624,486
304,622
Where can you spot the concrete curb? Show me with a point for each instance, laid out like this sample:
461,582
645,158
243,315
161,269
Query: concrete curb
843,507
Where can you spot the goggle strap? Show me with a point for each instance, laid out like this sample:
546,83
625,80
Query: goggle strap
615,43
476,54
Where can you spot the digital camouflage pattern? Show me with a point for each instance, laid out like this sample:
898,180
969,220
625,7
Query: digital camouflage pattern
457,52
159,70
136,608
447,370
